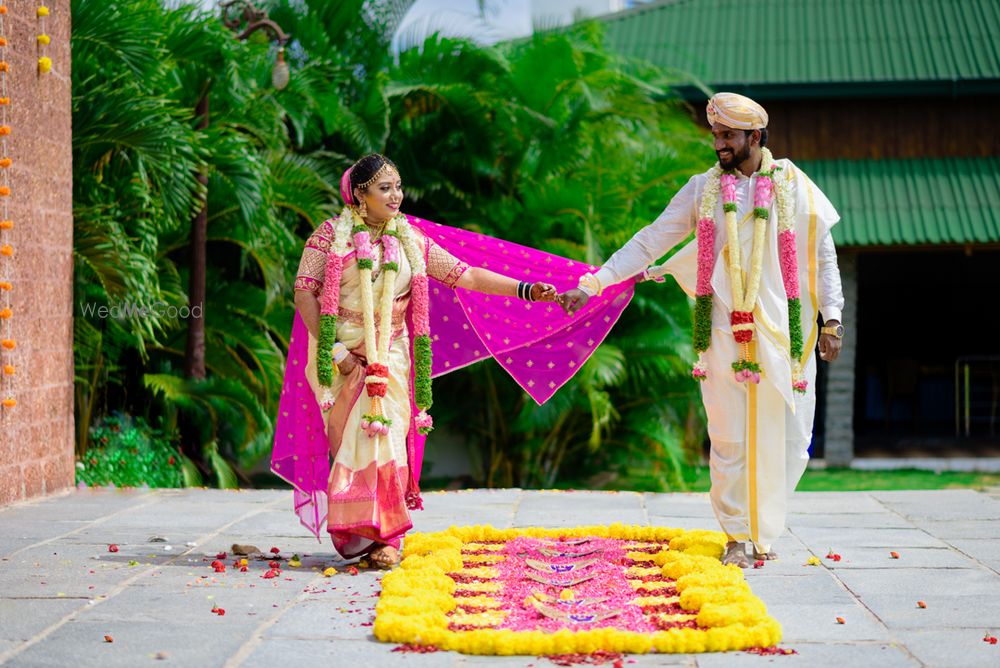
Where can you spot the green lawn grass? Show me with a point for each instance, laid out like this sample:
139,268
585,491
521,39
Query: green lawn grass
814,480
834,480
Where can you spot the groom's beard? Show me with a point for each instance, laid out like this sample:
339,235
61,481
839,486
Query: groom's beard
736,159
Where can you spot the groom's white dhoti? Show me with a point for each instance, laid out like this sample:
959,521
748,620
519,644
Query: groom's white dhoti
760,434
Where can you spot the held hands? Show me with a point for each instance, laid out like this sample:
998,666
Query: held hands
543,292
573,300
350,363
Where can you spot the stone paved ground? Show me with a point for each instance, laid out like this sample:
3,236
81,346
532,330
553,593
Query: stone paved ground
61,591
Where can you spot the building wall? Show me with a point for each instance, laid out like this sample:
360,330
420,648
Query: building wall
839,421
875,129
36,438
884,129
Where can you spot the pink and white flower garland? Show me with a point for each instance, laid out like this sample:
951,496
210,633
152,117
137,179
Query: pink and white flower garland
398,232
745,295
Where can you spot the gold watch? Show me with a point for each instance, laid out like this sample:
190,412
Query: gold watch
837,331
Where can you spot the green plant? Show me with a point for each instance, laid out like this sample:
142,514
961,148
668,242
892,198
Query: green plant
127,452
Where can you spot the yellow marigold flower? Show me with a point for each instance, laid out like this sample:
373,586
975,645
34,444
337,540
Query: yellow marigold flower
4,100
4,191
9,402
44,64
4,66
647,601
6,285
566,595
9,369
484,558
6,162
329,572
7,250
6,224
3,9
43,10
6,313
813,561
44,39
4,130
9,344
480,572
485,587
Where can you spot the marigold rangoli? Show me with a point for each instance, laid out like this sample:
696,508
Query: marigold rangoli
480,590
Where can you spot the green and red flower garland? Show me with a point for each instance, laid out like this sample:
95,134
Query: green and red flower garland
398,231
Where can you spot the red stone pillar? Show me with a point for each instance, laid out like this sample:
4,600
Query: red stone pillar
36,435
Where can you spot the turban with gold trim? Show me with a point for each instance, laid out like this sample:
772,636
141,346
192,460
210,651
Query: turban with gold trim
736,111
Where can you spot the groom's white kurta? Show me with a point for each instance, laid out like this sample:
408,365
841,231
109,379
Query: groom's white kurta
760,434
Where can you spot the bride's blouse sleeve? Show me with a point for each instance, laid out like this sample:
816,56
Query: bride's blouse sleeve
312,266
442,265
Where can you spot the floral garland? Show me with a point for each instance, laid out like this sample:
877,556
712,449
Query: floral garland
7,341
723,183
398,232
450,592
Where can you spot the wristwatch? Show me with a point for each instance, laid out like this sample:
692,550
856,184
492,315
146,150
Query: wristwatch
837,331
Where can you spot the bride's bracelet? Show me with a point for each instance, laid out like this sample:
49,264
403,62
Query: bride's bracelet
524,291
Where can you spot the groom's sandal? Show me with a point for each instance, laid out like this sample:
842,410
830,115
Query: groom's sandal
736,554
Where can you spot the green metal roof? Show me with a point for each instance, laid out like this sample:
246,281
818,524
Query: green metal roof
911,202
907,45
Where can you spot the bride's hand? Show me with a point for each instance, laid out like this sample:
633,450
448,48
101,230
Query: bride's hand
543,292
349,363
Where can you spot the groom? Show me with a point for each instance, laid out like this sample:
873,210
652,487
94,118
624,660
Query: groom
762,264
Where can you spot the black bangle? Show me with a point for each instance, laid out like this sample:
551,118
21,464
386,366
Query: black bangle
524,290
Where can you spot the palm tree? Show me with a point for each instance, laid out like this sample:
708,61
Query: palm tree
137,149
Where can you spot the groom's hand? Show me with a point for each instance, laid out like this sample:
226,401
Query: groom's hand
573,300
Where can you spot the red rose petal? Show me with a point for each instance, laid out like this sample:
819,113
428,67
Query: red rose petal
112,548
275,550
108,639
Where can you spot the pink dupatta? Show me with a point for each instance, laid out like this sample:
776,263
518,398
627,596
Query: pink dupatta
536,343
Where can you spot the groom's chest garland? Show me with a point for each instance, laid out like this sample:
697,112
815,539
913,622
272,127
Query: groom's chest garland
399,236
745,285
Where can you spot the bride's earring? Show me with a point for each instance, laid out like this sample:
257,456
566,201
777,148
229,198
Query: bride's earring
363,208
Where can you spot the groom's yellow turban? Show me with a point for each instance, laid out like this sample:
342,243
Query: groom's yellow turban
736,111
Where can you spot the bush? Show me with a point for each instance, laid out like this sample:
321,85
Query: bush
127,452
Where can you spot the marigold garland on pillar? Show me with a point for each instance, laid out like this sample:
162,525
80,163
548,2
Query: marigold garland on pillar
43,40
8,344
